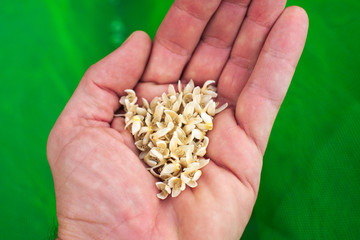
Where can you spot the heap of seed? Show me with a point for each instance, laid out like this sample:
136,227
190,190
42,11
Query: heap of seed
170,133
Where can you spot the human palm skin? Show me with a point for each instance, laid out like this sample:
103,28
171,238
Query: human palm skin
103,190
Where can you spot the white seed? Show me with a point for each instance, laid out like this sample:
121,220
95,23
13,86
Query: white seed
170,133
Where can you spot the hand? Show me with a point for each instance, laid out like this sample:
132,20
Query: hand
103,191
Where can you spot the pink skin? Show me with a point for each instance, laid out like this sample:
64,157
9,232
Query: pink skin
103,190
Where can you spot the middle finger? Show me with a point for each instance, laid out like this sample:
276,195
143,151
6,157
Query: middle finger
214,48
257,24
177,38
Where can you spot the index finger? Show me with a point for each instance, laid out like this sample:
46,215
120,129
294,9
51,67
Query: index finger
176,39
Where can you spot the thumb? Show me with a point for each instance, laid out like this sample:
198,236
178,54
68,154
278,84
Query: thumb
97,96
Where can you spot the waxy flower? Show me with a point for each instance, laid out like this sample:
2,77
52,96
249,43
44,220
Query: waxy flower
201,147
170,133
177,186
190,176
164,190
171,169
161,151
136,124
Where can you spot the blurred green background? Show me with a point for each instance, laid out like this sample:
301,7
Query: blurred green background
310,185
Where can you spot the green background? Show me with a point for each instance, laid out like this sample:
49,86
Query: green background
310,185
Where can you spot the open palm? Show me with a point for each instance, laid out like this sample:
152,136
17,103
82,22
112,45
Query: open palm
103,190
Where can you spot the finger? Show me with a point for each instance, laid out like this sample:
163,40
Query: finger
214,48
176,39
97,96
261,16
259,102
119,125
229,147
149,90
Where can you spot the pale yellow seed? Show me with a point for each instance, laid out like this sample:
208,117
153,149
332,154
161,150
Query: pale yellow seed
198,117
209,126
136,119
